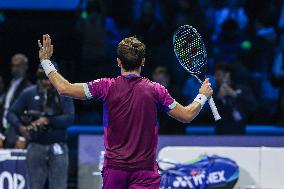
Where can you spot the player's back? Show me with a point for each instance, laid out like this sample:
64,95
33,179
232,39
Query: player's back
130,120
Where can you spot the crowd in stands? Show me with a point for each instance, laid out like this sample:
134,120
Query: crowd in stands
245,45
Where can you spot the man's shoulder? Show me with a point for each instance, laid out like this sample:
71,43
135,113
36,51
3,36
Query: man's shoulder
103,80
154,84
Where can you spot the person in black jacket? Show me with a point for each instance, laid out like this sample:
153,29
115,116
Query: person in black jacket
41,116
235,102
19,68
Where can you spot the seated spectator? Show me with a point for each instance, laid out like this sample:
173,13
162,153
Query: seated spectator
168,125
235,102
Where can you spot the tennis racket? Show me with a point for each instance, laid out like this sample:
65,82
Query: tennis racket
191,53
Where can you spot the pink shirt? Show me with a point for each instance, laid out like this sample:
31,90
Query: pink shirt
130,121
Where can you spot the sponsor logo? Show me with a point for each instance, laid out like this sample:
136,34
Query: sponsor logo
198,179
12,181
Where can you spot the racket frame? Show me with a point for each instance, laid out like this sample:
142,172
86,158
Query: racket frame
199,72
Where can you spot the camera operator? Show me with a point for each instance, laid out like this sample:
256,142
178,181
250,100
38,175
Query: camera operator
235,102
48,115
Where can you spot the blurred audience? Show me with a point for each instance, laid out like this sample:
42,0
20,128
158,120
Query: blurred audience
278,81
227,45
19,68
235,102
168,125
221,11
242,34
148,27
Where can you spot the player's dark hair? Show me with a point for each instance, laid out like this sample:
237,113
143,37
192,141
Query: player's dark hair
223,67
131,52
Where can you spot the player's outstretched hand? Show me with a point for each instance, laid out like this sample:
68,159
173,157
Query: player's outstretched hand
46,48
206,89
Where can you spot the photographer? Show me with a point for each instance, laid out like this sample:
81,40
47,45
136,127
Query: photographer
41,116
235,102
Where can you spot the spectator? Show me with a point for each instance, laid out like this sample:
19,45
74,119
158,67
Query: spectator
265,42
19,67
149,28
281,25
190,12
235,102
228,43
224,10
48,116
168,125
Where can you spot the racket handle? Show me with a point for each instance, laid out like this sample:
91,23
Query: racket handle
214,109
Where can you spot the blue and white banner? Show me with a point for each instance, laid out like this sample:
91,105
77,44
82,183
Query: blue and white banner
13,169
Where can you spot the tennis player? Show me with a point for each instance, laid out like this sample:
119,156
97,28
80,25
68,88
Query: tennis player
130,104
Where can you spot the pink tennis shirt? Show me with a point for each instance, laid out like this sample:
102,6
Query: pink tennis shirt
130,106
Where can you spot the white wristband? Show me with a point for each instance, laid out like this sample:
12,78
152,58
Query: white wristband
201,98
22,139
2,137
47,66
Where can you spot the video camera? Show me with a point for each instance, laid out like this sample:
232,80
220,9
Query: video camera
29,116
50,107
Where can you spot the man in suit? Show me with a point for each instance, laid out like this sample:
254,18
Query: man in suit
19,68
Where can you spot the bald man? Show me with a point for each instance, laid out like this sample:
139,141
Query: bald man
19,68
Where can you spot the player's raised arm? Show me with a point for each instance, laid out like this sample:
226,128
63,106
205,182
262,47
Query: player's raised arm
63,86
186,114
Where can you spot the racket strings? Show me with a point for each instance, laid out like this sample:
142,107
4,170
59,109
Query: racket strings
190,49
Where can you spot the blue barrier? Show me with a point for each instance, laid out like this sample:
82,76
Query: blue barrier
264,129
250,130
190,130
85,129
39,4
200,130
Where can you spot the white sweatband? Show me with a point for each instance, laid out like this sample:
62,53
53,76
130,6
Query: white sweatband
47,66
2,137
201,98
22,139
